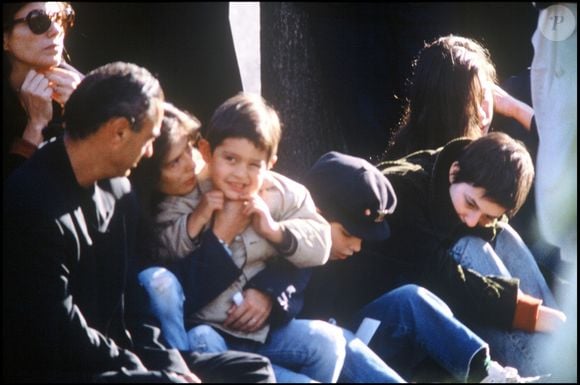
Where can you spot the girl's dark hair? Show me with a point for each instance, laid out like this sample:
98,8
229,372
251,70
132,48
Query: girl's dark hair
499,164
444,95
146,176
10,9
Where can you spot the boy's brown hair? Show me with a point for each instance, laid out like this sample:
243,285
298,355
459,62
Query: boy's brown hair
501,165
247,116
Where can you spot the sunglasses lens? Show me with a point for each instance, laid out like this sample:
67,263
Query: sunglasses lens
39,23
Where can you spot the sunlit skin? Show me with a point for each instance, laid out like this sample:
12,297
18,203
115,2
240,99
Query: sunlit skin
36,51
180,167
140,144
34,74
238,170
237,167
470,203
343,243
485,108
472,207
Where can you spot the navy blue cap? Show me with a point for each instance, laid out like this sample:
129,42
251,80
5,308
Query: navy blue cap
353,192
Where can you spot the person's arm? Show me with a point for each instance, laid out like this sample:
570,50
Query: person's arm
549,319
307,239
531,316
507,105
275,295
44,315
206,272
284,284
418,247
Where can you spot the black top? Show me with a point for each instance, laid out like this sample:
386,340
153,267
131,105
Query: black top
424,227
70,293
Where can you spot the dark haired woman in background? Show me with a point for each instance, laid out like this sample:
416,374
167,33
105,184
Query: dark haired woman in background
37,80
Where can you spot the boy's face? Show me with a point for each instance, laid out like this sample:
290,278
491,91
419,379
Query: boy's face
180,167
237,168
343,243
472,207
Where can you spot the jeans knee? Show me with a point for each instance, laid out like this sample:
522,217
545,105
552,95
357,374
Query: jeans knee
205,339
163,288
328,339
419,300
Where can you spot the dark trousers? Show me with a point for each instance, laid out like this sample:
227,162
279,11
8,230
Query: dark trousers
227,367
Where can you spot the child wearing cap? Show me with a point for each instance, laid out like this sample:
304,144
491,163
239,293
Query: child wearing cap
414,323
273,219
450,202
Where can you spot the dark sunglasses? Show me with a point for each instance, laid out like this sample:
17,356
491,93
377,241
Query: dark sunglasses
39,21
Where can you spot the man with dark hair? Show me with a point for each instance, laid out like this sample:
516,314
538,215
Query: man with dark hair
72,305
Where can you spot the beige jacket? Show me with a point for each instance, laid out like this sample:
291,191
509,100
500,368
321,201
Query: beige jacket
290,204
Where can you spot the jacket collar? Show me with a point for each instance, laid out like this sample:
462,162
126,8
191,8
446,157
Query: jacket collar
99,195
445,219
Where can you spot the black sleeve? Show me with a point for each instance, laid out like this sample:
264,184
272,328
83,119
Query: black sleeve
206,272
285,284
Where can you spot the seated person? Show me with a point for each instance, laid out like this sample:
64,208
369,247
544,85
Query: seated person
72,310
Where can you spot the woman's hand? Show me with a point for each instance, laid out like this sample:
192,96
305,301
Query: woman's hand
507,105
63,82
35,96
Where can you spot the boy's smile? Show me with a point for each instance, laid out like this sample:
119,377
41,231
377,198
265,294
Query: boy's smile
238,168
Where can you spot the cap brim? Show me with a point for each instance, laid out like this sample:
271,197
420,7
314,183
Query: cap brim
371,231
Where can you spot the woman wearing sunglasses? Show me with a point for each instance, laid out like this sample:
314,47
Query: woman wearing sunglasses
37,81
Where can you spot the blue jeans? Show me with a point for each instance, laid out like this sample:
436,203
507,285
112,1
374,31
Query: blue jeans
284,347
509,258
300,351
415,325
166,303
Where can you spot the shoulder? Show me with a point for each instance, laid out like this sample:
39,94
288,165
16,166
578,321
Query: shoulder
173,206
286,186
34,184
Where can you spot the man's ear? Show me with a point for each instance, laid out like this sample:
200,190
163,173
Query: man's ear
117,130
453,171
204,149
272,161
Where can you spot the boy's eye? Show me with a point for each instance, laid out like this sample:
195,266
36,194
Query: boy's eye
256,165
